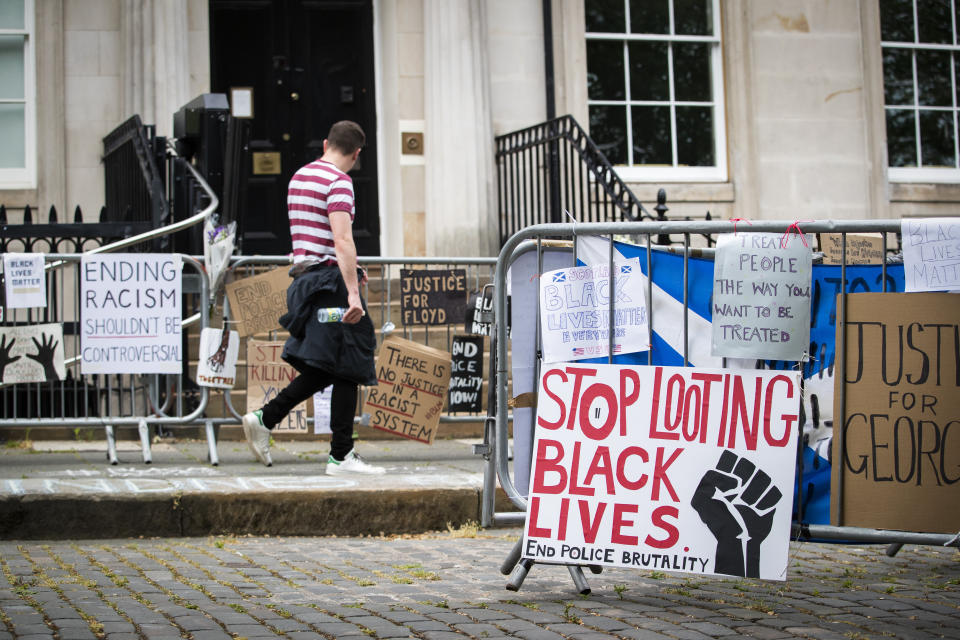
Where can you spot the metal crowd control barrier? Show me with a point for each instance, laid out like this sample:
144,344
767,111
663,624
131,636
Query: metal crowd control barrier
539,237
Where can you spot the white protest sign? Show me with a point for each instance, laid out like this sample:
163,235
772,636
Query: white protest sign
321,410
31,353
931,254
25,283
575,311
131,313
761,296
666,468
217,358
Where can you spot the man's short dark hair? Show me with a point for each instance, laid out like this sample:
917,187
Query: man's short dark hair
346,136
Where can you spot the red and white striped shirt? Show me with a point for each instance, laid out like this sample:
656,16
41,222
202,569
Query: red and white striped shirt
315,191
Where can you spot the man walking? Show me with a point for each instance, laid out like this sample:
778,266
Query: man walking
321,208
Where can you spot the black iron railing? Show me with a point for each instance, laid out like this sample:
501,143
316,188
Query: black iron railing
54,236
553,169
134,172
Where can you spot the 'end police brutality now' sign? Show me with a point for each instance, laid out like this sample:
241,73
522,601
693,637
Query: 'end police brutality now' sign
667,468
131,311
575,311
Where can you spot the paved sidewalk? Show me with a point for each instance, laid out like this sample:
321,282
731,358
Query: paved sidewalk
442,585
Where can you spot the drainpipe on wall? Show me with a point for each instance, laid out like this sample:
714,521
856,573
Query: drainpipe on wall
554,203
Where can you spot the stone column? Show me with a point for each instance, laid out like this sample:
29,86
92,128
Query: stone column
458,134
155,75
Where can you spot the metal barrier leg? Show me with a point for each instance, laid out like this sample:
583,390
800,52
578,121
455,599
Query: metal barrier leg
511,560
212,444
595,569
111,444
892,549
145,441
518,574
579,581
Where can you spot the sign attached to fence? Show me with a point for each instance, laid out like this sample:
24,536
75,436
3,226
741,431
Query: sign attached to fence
479,309
412,382
432,296
267,375
217,358
466,379
321,410
666,468
24,281
575,311
257,302
761,296
31,353
131,313
931,254
862,248
901,429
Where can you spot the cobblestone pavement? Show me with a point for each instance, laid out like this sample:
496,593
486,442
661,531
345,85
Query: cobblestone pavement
448,585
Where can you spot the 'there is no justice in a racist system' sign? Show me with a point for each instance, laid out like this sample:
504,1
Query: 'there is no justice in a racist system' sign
432,296
131,313
901,428
412,381
667,468
575,311
761,296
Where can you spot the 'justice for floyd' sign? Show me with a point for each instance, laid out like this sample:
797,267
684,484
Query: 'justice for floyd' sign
667,468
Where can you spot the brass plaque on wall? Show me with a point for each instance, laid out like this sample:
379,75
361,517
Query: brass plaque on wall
266,163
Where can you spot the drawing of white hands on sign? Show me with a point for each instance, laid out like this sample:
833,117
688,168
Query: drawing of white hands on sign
5,357
45,355
737,502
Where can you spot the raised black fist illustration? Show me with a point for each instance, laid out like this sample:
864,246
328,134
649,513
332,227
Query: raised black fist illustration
737,502
44,355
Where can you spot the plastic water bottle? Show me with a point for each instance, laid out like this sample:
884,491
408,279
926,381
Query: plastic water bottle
331,314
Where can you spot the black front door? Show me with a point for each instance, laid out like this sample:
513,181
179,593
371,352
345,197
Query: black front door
309,64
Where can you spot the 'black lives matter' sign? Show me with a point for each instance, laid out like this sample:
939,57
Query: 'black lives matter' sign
432,296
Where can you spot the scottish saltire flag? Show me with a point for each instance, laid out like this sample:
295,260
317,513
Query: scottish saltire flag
666,317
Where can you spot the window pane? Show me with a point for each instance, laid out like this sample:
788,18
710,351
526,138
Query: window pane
12,151
897,77
651,135
901,138
693,17
605,16
896,20
936,139
11,67
933,21
649,16
648,71
605,70
933,78
695,136
11,14
608,128
691,72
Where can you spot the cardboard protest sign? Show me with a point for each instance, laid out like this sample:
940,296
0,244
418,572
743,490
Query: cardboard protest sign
217,358
761,296
931,254
267,375
668,468
901,425
131,312
432,296
24,280
412,382
479,302
257,302
575,311
321,411
862,248
466,378
31,353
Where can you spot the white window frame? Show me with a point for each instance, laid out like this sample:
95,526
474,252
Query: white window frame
674,173
26,177
927,174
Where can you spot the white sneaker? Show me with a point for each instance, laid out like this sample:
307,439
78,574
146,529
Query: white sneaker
258,436
352,464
